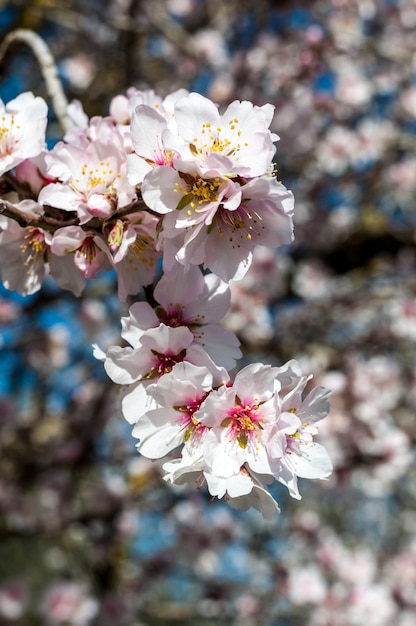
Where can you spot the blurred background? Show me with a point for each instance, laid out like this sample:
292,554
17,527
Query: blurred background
89,535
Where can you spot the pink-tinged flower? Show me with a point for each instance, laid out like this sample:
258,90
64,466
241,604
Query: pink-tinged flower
154,355
122,107
240,137
192,300
128,247
158,350
13,600
132,242
217,221
88,250
303,457
93,180
178,395
246,426
306,585
69,603
22,129
241,490
122,112
148,126
26,256
263,217
23,252
31,173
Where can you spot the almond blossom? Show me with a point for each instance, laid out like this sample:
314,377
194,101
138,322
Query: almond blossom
241,490
192,300
86,248
240,137
91,180
178,394
128,246
172,180
26,257
22,256
151,120
150,358
22,129
122,107
303,457
217,221
192,129
235,437
245,426
134,255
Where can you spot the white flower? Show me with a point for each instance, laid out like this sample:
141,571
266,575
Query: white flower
242,492
217,220
240,137
69,603
22,129
303,457
92,179
179,394
23,252
192,300
245,426
153,356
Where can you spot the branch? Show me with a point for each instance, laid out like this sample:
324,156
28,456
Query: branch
48,68
45,222
50,223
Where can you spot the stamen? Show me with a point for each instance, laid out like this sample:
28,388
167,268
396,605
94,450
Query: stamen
243,424
33,247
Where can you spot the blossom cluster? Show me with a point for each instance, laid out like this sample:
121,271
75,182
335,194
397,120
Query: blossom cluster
174,196
235,437
170,178
118,546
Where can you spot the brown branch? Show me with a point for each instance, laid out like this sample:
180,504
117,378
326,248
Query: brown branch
45,222
50,223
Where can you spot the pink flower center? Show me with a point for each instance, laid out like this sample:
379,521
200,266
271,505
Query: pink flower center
187,422
33,246
165,157
239,225
174,317
243,423
89,249
163,363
